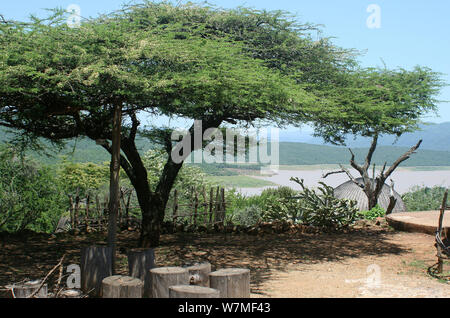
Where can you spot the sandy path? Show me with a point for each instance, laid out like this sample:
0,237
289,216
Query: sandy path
392,276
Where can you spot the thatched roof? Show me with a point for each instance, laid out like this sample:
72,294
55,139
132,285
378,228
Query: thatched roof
349,190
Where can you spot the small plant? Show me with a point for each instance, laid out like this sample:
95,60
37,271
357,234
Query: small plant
323,210
374,213
247,217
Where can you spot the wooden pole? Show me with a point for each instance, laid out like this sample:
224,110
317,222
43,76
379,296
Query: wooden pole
175,206
211,200
205,205
114,191
77,208
88,201
99,213
195,208
72,213
223,206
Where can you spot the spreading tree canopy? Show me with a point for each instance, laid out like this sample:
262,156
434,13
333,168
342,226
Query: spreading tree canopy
376,102
195,62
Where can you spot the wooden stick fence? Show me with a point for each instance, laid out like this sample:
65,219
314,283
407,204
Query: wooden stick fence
91,212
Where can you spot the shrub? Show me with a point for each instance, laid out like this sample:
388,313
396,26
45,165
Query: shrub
374,213
29,195
324,210
248,216
424,198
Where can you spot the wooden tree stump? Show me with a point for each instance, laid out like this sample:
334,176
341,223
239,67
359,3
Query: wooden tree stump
122,287
96,264
231,282
27,289
70,293
190,291
199,274
165,277
140,262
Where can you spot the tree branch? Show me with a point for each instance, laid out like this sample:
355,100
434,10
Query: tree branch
404,157
372,149
351,177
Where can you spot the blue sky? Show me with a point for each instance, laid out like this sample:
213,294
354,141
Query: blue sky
414,32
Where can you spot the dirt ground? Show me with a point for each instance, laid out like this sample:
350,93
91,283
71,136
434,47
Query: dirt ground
367,262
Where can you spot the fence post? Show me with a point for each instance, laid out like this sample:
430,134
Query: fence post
211,200
195,208
217,206
77,208
72,218
205,205
223,206
175,206
99,214
88,201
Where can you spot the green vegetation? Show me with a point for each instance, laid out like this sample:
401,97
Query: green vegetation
239,182
424,198
372,214
308,207
30,195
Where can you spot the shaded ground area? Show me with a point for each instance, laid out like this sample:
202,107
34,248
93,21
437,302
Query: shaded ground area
281,265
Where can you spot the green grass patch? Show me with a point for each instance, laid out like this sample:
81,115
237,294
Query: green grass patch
239,182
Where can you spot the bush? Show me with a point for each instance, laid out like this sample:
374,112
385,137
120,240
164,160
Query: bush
324,210
29,195
374,213
248,216
424,198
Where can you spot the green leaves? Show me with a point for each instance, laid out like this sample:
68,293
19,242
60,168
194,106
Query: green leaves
377,101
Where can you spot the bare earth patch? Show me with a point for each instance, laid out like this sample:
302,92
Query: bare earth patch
367,262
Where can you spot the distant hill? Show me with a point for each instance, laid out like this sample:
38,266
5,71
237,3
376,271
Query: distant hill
295,153
434,136
309,154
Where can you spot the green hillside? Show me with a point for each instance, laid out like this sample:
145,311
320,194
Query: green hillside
291,153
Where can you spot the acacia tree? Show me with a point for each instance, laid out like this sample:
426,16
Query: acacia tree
376,102
218,66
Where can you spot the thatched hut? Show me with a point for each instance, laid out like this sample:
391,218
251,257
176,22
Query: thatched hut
349,190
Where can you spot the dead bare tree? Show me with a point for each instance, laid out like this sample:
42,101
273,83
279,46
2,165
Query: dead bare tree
372,186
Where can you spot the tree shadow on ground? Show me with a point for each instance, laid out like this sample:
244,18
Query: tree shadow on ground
32,256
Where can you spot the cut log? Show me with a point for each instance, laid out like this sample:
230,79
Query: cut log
140,262
122,287
190,291
164,277
70,293
96,264
231,282
199,274
25,290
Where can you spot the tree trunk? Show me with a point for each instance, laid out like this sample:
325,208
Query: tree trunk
140,262
95,266
165,277
122,287
231,282
27,289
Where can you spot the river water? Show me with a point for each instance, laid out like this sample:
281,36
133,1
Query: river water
404,179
